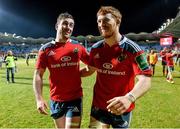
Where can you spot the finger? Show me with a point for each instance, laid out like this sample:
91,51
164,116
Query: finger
118,105
42,111
112,104
46,105
113,108
121,111
45,112
116,112
39,110
111,100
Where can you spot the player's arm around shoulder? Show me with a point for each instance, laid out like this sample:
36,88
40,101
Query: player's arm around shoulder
38,87
87,71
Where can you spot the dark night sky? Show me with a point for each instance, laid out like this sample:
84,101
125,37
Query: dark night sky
37,18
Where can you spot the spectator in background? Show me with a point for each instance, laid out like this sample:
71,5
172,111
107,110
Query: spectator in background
152,60
177,62
27,59
170,64
62,58
163,62
10,66
118,61
1,60
178,59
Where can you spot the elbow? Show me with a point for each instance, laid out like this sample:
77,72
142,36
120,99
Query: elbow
147,82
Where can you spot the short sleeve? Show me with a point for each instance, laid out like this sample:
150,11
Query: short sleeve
41,60
84,55
91,58
140,64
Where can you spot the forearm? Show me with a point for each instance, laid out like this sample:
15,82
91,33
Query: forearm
37,85
141,87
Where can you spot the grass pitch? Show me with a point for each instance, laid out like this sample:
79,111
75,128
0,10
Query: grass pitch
159,108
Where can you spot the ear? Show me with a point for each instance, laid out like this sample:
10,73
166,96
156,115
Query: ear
56,26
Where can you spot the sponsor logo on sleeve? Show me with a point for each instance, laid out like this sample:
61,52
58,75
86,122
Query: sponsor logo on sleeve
142,62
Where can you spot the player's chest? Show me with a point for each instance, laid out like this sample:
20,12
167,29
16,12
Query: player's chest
109,59
63,54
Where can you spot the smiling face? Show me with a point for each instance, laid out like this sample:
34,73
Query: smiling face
107,25
108,20
65,28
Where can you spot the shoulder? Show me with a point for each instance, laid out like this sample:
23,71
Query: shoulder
98,44
47,45
76,44
72,41
129,45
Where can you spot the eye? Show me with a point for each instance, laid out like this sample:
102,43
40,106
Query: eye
104,20
71,25
65,23
98,21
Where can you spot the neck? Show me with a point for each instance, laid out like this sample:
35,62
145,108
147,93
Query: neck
113,39
61,39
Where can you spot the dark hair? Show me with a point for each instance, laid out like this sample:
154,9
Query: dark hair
63,16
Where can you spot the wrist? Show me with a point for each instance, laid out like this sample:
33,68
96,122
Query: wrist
131,97
39,98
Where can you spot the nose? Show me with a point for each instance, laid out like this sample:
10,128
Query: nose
70,25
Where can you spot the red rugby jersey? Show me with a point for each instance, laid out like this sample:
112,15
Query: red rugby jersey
62,61
169,59
163,55
116,69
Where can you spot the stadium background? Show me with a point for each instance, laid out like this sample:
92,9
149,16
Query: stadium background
159,108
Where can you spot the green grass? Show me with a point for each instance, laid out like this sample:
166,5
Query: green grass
159,108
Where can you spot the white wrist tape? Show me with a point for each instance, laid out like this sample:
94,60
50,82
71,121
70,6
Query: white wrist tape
131,97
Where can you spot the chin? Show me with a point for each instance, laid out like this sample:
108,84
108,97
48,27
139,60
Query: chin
102,34
67,36
106,36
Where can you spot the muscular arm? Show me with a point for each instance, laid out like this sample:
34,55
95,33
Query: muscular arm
142,86
38,88
119,105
